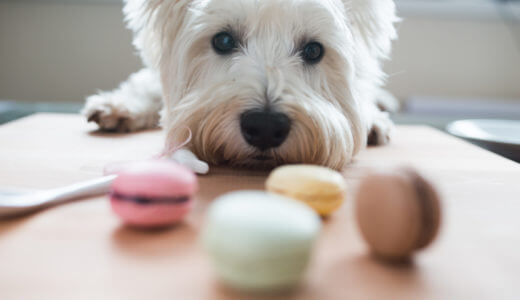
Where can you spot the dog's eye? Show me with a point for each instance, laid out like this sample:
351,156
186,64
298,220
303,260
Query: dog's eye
223,43
313,52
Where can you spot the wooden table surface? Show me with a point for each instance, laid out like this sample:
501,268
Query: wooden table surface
81,251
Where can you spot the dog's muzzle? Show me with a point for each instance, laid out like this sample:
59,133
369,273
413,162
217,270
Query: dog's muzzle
264,129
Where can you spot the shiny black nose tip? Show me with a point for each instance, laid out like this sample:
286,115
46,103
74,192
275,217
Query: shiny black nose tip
264,129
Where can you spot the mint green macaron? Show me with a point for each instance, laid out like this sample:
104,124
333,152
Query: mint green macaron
259,241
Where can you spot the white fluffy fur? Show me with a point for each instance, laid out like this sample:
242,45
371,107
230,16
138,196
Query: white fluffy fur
332,105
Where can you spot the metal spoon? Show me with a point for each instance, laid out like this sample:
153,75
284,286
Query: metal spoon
12,205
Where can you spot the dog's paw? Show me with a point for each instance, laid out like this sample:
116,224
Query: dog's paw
381,130
188,159
386,102
108,114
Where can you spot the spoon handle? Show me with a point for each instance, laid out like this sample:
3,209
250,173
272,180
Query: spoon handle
88,188
20,205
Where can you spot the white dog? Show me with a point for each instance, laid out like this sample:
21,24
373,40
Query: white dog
256,82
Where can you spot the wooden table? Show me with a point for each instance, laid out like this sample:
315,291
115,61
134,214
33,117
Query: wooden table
81,251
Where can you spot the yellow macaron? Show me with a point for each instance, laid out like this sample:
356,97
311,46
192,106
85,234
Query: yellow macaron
321,188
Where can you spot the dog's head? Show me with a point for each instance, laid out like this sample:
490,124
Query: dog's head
267,81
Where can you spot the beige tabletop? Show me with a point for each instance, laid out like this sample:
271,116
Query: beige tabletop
81,250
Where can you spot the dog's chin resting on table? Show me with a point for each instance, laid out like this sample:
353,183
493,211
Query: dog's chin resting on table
256,82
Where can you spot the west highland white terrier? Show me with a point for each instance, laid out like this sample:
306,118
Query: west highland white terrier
256,82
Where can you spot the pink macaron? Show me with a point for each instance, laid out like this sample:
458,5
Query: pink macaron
154,193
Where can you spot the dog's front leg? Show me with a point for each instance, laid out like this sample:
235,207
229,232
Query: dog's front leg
381,126
381,130
135,105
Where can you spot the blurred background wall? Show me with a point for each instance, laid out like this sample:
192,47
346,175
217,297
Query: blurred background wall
66,50
58,51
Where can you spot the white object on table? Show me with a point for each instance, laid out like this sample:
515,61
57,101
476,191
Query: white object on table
501,136
12,204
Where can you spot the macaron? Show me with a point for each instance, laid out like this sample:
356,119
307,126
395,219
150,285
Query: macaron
321,188
154,193
398,213
260,242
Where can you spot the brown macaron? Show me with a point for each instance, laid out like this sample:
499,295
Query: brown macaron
398,213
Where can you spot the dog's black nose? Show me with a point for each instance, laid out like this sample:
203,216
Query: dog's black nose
264,129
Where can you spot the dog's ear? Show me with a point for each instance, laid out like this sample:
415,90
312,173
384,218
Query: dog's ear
372,22
154,23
